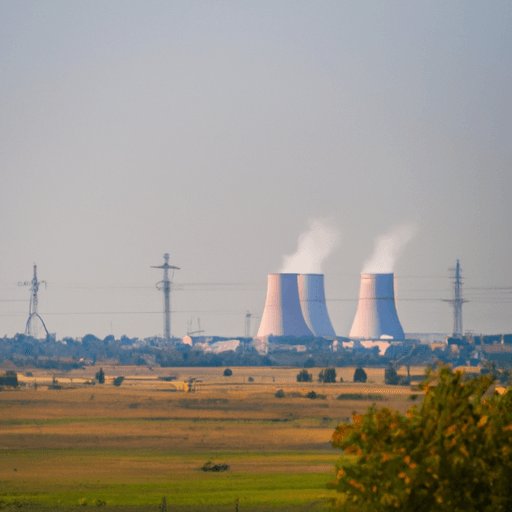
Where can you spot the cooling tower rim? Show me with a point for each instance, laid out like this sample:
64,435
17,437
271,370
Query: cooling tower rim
283,274
377,274
311,274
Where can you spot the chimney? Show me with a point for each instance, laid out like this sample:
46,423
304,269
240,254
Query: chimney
282,315
376,314
312,302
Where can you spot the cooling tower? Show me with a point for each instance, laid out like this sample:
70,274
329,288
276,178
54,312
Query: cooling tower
312,302
376,311
282,315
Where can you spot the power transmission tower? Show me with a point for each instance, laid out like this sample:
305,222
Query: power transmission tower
31,326
457,303
165,285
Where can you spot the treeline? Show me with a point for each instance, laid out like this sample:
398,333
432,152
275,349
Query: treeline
70,353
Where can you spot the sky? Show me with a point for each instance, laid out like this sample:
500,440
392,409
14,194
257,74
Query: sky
221,132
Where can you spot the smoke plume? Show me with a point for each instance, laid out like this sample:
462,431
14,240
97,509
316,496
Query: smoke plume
388,247
313,247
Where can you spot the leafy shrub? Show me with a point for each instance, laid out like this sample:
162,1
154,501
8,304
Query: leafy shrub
304,376
360,396
360,375
392,377
118,381
280,394
328,375
228,372
311,394
250,379
9,378
452,453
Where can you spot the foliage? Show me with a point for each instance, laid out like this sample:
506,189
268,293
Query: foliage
100,376
304,376
309,363
452,454
360,375
391,377
9,378
228,372
360,396
328,375
280,393
118,381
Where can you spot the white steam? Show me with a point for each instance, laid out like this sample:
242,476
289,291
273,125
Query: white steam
314,246
387,249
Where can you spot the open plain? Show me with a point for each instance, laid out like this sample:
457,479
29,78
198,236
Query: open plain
67,441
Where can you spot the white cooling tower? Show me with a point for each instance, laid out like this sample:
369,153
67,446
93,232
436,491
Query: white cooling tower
312,302
376,311
282,315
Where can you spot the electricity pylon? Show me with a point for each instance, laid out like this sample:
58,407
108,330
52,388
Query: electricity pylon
457,302
165,285
31,326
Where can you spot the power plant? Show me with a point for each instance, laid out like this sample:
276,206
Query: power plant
282,314
312,302
376,314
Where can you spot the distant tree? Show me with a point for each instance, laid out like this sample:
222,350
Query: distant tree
100,376
228,372
311,394
360,375
118,381
310,363
10,378
328,375
280,393
304,376
392,377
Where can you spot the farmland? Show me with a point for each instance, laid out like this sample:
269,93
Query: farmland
131,445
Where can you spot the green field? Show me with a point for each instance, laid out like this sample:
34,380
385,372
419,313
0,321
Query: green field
65,478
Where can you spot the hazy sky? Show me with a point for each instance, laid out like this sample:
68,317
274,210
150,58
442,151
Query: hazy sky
220,131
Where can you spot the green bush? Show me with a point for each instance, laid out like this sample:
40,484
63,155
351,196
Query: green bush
360,396
328,375
280,393
228,372
453,453
304,376
9,378
392,377
360,375
118,381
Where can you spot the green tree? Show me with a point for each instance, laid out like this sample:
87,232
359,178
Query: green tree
228,372
118,381
304,376
327,375
100,376
360,375
451,454
9,378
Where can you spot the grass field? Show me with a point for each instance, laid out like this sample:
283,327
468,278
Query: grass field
129,446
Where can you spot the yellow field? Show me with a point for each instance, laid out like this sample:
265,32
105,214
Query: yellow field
154,430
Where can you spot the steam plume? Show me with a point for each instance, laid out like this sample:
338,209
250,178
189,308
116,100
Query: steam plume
313,247
388,247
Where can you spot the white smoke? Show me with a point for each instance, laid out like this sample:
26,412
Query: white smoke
313,247
388,247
